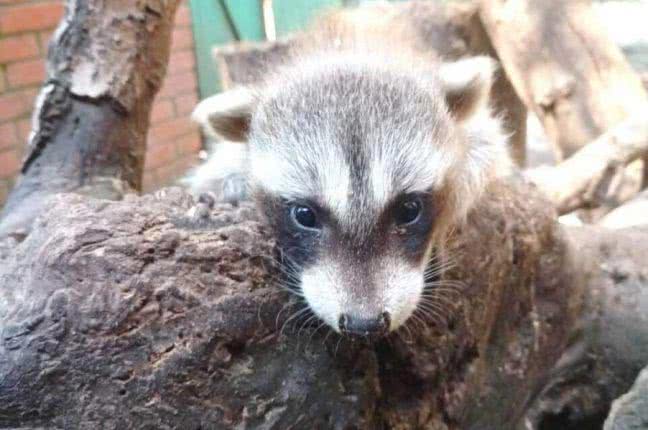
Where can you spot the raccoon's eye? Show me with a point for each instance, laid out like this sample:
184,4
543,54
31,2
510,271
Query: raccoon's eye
409,211
304,216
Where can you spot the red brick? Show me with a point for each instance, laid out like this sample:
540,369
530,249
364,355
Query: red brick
30,72
167,131
189,162
167,174
182,39
185,164
4,191
181,61
185,104
24,129
44,38
183,16
189,144
30,17
159,156
9,164
3,85
162,110
18,48
8,135
16,104
149,181
178,84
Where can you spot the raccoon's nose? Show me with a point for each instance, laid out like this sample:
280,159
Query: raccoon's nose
369,327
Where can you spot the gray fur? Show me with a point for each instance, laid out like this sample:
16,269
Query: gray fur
352,131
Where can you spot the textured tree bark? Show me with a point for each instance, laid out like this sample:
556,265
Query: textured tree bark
630,412
171,309
156,312
105,64
176,310
610,346
564,68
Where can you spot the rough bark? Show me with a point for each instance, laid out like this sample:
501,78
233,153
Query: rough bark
172,310
564,67
630,411
588,177
452,32
610,346
105,64
175,310
633,213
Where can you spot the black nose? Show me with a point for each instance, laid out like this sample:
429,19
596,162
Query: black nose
368,327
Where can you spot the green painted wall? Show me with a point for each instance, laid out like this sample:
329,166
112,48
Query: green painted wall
291,15
219,22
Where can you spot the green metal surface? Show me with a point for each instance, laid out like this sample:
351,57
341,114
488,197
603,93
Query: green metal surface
210,27
219,22
292,15
247,17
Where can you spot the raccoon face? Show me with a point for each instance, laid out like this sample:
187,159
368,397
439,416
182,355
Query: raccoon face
359,170
360,282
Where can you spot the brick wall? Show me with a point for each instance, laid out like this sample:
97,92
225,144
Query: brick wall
25,29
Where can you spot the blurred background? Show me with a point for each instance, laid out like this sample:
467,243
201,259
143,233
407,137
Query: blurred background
174,143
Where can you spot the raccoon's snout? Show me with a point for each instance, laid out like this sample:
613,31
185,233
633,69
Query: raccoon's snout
367,327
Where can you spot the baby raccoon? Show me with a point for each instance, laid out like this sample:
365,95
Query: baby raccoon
361,153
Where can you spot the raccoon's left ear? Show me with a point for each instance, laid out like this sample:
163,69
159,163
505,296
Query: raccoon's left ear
226,116
466,84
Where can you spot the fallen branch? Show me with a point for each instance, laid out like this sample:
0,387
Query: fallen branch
585,178
564,67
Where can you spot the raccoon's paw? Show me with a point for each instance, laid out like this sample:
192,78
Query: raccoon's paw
235,189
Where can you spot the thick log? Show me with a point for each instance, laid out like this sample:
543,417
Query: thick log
171,309
564,68
175,310
610,346
631,214
588,177
630,411
105,63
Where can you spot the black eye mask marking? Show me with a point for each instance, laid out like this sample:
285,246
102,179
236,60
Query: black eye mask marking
412,215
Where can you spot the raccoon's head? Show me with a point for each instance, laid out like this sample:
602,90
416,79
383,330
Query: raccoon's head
360,169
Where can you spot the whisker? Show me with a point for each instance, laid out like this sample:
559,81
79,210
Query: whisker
288,304
336,347
310,338
327,335
295,315
426,316
436,306
435,315
305,323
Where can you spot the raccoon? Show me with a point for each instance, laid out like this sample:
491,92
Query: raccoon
362,153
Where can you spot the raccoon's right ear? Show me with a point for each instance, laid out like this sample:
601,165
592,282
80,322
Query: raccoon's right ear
226,116
466,84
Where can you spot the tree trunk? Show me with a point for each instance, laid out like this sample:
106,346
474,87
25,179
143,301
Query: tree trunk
563,67
105,65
